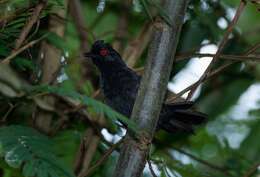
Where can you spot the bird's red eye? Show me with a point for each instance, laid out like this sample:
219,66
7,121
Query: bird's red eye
103,52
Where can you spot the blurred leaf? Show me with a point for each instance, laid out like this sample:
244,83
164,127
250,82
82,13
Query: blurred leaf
88,88
220,100
250,147
43,104
69,140
191,30
8,91
57,41
23,64
24,145
98,107
9,77
162,12
137,5
145,6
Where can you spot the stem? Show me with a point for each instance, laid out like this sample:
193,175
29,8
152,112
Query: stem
134,152
220,47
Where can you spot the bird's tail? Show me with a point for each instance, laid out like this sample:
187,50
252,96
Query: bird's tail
179,117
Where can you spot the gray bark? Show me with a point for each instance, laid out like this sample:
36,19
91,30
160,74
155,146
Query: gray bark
147,107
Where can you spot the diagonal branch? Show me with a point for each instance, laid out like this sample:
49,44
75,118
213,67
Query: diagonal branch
151,168
221,46
78,18
252,170
102,159
18,51
31,21
209,76
212,74
137,45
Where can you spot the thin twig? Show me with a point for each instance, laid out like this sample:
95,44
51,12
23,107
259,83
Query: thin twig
79,157
213,166
137,45
28,26
11,108
209,76
220,48
252,170
87,69
214,73
18,51
61,122
35,31
225,57
90,32
253,49
102,159
90,142
75,9
121,31
18,11
151,168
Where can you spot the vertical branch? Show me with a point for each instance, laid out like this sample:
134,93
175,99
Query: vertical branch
76,13
136,47
87,151
102,159
122,26
78,18
50,57
90,141
147,106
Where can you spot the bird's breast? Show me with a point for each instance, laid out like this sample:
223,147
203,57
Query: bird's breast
119,97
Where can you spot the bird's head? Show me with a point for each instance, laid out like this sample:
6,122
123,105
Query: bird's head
104,56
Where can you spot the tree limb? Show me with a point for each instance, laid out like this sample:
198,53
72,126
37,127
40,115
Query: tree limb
31,21
147,107
252,170
220,47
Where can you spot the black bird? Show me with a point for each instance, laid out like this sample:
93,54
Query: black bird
120,84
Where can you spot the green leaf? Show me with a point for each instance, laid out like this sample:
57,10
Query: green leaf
214,105
97,106
28,169
23,64
24,145
57,41
88,88
162,12
250,147
137,5
144,3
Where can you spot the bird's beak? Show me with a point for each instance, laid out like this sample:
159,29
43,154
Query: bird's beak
89,55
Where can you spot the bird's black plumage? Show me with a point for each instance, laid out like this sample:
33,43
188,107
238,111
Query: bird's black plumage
120,86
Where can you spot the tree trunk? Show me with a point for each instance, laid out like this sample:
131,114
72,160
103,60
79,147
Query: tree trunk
147,107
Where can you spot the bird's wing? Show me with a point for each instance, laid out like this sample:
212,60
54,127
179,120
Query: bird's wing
179,117
180,105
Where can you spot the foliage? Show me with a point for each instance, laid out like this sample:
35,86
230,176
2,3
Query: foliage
97,106
24,147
